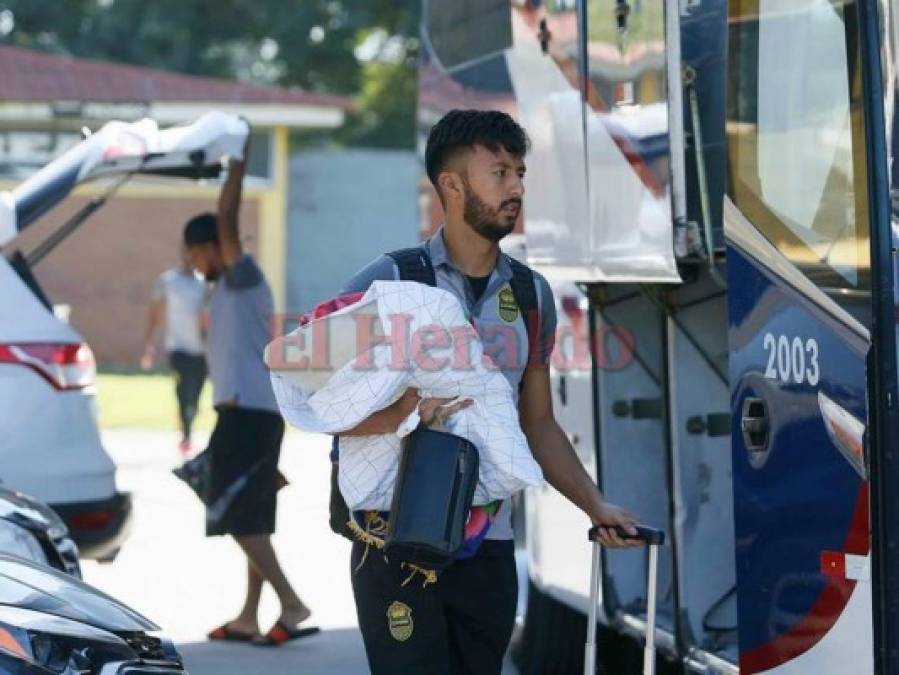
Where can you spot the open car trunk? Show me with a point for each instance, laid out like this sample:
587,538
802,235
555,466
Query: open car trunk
118,151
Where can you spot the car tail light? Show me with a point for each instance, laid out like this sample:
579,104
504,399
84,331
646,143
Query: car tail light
90,520
64,366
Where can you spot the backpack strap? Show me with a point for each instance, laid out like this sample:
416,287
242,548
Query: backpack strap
414,264
524,288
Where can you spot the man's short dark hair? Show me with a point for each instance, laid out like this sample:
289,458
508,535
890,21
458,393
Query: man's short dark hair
464,129
201,229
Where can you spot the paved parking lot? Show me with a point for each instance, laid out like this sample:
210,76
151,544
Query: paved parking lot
187,583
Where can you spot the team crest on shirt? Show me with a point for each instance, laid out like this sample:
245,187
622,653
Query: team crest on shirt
399,621
508,308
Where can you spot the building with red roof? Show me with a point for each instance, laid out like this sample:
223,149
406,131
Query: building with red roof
106,269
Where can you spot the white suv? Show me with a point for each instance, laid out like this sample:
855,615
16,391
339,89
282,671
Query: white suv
50,444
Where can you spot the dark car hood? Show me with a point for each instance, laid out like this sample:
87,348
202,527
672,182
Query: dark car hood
24,584
30,513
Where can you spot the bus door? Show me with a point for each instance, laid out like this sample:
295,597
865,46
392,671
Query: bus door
634,448
698,394
796,219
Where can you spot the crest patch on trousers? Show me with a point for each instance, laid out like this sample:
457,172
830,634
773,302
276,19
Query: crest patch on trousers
399,621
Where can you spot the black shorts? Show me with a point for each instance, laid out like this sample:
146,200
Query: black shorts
461,625
243,462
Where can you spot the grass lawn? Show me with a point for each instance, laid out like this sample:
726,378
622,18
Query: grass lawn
146,401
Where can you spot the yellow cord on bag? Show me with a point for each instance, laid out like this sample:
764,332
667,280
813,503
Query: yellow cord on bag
430,576
373,535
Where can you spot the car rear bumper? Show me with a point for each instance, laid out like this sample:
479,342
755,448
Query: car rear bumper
98,527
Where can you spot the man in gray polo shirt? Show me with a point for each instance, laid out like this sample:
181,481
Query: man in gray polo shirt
462,624
246,442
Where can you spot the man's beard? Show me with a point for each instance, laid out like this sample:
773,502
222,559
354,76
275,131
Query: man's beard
486,221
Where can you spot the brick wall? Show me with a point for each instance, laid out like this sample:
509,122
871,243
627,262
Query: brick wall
106,269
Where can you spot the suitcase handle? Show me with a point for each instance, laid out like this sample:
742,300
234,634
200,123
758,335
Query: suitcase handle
652,538
648,535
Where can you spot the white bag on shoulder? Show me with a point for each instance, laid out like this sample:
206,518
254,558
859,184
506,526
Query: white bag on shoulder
336,371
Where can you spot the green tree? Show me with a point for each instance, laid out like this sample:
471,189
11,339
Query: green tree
366,49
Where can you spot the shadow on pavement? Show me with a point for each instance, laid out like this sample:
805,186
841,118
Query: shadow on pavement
331,652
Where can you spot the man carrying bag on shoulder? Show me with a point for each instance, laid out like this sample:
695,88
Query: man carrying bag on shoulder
462,623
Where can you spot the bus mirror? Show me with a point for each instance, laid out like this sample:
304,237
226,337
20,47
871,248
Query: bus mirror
460,33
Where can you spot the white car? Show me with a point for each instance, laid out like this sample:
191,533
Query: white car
51,443
51,446
53,623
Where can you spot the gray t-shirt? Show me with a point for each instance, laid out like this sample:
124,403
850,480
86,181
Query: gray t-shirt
495,316
240,317
184,294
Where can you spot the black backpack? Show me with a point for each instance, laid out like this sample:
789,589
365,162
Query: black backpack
414,264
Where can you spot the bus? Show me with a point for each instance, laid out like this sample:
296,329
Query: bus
710,193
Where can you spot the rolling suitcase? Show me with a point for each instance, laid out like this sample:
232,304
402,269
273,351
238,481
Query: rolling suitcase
654,539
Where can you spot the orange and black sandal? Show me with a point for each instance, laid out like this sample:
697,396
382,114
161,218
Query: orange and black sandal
225,633
281,633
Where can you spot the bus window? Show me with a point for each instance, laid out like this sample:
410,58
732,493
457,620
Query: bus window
628,140
795,134
626,67
466,31
545,66
627,80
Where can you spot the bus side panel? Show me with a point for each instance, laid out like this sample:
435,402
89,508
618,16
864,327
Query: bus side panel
633,443
700,419
801,505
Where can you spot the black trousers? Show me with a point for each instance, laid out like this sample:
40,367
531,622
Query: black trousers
460,625
190,373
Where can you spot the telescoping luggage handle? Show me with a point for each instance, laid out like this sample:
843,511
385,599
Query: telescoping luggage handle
654,539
